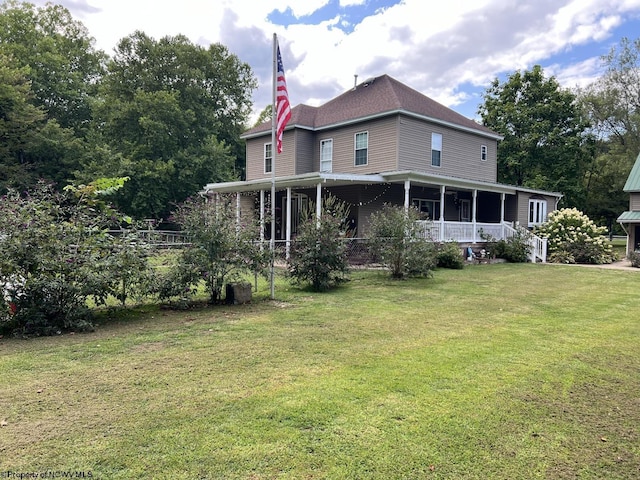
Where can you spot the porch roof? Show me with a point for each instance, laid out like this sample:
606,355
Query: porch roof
629,217
337,179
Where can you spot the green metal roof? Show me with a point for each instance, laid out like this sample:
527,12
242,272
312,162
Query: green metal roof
633,181
629,217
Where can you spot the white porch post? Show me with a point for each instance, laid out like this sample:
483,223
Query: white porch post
502,200
288,238
407,190
238,211
473,219
442,200
318,203
261,219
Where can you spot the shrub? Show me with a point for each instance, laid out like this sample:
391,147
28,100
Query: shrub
515,249
574,238
56,254
221,249
318,254
396,240
634,257
449,255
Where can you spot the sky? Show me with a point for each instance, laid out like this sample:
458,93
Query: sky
449,50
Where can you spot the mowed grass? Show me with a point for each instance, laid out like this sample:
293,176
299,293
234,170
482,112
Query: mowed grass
496,371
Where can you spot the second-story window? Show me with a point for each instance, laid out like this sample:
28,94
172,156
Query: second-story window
326,155
361,148
483,152
268,158
436,149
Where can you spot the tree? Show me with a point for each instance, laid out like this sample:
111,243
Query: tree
396,239
318,254
612,104
171,113
58,71
546,144
63,65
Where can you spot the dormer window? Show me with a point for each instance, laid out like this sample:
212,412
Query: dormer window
268,158
361,148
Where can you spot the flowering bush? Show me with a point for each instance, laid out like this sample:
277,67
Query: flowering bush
574,238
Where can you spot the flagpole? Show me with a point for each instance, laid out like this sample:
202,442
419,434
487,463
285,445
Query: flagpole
274,151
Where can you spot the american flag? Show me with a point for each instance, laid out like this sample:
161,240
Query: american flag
283,109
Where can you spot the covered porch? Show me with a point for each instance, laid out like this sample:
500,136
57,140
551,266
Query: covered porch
453,209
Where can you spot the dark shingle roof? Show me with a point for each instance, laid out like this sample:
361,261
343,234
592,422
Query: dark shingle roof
371,98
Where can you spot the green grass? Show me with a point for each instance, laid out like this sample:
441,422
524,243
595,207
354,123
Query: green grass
495,371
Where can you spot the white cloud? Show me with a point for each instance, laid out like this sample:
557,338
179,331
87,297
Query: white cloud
439,49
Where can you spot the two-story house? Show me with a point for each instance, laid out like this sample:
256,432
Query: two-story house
630,220
384,142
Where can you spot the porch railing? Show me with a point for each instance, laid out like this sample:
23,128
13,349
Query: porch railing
472,232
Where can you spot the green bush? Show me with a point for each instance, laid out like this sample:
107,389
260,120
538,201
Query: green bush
634,257
396,241
515,249
318,254
574,238
449,255
56,255
221,249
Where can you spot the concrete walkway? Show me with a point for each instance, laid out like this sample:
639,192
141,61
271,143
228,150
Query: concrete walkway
619,265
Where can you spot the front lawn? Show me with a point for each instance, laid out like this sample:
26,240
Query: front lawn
495,371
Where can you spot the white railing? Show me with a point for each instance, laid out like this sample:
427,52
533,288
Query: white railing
538,250
460,231
472,232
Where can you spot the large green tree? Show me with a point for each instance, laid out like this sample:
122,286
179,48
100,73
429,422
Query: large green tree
170,114
63,65
49,72
546,144
612,104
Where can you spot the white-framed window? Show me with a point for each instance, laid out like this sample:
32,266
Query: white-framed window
268,158
361,143
326,155
429,208
483,153
537,212
436,149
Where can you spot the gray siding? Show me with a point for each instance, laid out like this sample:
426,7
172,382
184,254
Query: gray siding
634,202
460,151
523,206
284,161
305,144
382,154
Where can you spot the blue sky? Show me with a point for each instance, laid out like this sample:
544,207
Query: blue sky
450,51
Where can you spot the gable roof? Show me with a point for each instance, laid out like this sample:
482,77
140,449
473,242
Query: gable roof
633,181
373,98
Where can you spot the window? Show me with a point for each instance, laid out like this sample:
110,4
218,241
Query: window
361,148
537,212
436,149
483,153
326,155
268,158
429,208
